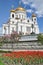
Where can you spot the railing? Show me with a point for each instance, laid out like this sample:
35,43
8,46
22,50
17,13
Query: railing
28,38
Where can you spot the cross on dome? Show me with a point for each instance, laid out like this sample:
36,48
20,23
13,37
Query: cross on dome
12,6
20,3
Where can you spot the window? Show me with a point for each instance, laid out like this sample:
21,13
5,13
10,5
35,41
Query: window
17,16
21,28
12,29
12,22
35,19
32,25
28,29
32,19
4,30
27,20
12,15
22,16
35,29
34,22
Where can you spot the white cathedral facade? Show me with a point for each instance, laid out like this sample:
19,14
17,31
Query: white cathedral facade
19,22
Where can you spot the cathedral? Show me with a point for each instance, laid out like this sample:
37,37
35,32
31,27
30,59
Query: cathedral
19,22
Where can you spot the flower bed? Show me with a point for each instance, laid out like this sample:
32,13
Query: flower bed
24,57
24,53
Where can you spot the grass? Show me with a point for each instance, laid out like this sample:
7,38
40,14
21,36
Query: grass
1,63
23,61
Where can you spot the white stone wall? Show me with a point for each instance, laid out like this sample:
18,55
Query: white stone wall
23,28
12,26
5,29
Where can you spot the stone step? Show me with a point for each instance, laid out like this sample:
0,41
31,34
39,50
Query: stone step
21,44
24,45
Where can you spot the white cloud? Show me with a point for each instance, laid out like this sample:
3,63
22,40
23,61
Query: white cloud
25,1
37,4
29,10
39,13
33,5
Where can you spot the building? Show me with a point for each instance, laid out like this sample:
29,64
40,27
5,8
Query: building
19,22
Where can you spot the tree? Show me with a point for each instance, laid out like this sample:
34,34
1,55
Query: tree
40,38
15,36
6,38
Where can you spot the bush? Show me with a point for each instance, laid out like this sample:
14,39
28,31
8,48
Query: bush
40,38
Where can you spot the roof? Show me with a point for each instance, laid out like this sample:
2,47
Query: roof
20,8
33,15
17,9
12,10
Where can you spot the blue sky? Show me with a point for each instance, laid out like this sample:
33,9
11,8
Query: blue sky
31,6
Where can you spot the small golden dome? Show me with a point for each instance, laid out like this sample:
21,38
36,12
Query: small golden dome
20,8
33,15
12,11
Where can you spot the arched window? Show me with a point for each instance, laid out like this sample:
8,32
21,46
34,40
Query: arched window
4,30
12,29
19,16
22,16
32,19
12,22
27,20
12,15
35,19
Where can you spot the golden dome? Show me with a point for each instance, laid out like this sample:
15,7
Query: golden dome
12,11
17,9
33,15
20,8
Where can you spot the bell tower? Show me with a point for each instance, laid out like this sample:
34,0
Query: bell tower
34,18
35,24
12,13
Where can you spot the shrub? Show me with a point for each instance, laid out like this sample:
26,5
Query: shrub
40,38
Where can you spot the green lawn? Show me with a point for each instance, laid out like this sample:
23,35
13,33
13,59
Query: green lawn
1,63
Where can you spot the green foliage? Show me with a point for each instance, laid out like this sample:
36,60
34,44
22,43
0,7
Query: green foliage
1,51
40,38
1,63
33,60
